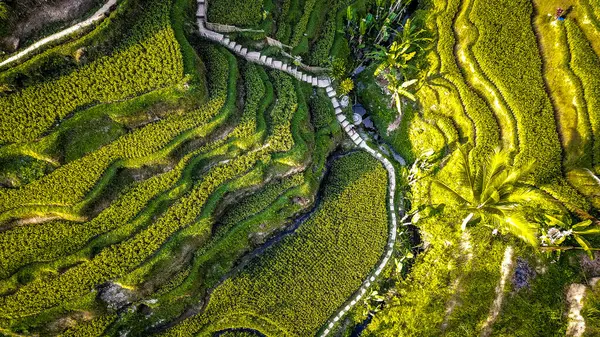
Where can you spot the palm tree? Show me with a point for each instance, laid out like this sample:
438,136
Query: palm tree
494,194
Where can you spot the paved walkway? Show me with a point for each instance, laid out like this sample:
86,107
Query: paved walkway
100,15
321,82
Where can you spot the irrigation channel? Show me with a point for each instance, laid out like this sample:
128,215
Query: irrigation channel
326,83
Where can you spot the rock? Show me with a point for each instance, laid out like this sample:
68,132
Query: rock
357,119
115,296
258,238
523,274
590,267
301,201
145,310
345,101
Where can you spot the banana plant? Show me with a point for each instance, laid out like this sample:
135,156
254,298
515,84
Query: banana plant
399,89
560,231
402,51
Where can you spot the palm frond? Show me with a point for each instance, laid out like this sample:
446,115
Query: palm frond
459,198
517,225
465,176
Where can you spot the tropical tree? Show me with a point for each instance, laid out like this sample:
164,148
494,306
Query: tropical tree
399,89
495,192
561,232
402,51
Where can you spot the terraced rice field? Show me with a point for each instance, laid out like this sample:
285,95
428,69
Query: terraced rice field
126,206
188,168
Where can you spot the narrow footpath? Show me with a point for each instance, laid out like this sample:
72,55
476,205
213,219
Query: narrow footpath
326,83
100,15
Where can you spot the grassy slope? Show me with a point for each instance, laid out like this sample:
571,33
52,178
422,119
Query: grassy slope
554,128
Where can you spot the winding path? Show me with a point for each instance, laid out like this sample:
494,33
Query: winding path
100,15
326,83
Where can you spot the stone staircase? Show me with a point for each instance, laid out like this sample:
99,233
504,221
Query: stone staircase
326,83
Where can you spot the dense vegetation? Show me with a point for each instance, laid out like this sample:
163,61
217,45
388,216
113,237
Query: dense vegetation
307,275
153,183
146,59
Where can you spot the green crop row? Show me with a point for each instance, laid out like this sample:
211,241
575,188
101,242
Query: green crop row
586,65
301,280
72,182
468,35
243,13
300,27
259,94
487,134
516,72
256,202
118,259
320,50
148,59
279,119
285,20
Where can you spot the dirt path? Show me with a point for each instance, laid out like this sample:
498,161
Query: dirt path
100,15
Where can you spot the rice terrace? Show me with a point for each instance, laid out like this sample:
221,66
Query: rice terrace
273,168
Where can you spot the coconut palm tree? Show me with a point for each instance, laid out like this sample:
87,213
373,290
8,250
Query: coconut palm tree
495,192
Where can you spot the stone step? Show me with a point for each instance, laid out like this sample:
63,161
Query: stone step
226,41
237,48
338,111
244,51
277,64
253,56
231,44
315,82
335,103
263,58
324,82
201,12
